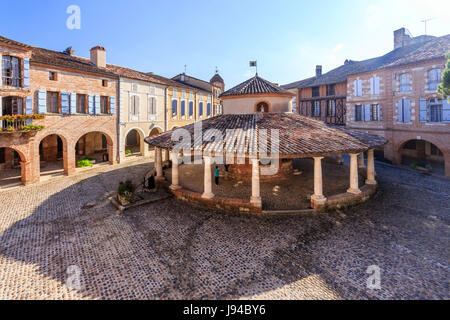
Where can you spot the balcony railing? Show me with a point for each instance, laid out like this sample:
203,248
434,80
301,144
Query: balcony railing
12,81
20,123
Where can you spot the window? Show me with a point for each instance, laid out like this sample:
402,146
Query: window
183,94
435,107
404,110
330,90
374,85
404,83
358,112
191,95
151,106
104,105
11,71
134,108
52,76
208,109
52,102
134,87
2,155
174,107
104,83
315,91
81,103
374,112
358,88
183,108
200,108
12,105
316,109
152,89
434,79
174,93
191,108
331,108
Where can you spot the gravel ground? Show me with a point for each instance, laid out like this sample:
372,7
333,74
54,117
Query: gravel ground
172,250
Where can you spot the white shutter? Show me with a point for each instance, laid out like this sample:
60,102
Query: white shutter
355,86
360,91
423,110
407,110
372,85
377,85
367,112
445,111
400,110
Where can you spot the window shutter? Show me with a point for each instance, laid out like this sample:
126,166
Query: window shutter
355,87
380,110
208,109
91,104
26,72
377,85
97,104
372,85
191,108
359,87
407,110
183,108
28,105
367,112
1,111
422,110
73,103
65,103
445,110
42,101
112,105
1,75
354,112
400,110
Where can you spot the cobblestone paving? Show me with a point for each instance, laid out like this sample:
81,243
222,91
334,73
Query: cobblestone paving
172,250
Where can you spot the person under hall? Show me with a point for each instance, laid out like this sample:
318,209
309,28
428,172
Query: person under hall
217,174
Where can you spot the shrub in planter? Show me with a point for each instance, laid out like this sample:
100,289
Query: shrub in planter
128,152
125,193
84,163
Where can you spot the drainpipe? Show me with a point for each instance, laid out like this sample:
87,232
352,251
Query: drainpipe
119,116
166,120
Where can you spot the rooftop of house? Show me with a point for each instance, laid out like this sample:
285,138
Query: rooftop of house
193,82
426,49
298,136
13,42
255,85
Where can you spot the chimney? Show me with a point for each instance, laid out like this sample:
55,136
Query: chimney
402,37
69,51
98,56
318,71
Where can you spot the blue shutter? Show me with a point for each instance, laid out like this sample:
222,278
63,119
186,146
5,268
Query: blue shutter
422,110
200,108
367,112
400,110
191,108
91,104
380,110
112,105
28,105
65,103
97,104
445,110
407,110
26,72
42,101
73,103
174,107
208,109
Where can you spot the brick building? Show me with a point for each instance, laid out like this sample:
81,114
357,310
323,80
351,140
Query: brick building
76,96
396,97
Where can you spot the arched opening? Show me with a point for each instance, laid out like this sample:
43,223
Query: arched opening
134,143
93,148
10,169
154,132
51,154
419,154
262,107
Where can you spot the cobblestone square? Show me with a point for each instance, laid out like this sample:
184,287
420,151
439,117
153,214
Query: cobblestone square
173,250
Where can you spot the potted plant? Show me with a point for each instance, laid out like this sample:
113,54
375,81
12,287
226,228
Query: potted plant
125,193
128,152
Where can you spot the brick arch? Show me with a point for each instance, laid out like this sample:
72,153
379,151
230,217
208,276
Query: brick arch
139,130
109,140
26,172
160,130
428,139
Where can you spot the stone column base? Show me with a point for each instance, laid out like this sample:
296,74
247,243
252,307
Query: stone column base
371,182
208,195
174,187
318,201
256,201
354,191
160,179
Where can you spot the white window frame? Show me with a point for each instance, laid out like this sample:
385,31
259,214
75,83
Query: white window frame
404,86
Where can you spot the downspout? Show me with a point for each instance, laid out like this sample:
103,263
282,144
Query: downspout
166,120
119,116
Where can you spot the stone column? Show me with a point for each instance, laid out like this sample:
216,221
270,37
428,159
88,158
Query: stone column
158,164
175,177
354,188
370,168
207,194
69,160
256,188
318,199
361,160
166,155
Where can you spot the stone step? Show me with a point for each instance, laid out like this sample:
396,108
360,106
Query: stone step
298,211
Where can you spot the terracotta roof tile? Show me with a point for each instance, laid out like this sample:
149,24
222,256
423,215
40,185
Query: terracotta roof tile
255,85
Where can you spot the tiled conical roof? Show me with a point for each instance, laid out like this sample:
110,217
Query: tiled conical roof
255,85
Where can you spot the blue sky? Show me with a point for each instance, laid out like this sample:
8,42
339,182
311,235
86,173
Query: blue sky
288,38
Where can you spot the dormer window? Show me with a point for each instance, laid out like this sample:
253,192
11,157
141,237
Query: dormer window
52,76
